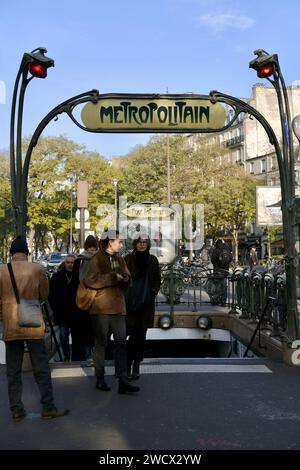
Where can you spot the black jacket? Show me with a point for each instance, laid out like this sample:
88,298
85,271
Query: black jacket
62,297
145,316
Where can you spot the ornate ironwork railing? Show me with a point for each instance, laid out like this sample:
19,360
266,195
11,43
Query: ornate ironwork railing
242,291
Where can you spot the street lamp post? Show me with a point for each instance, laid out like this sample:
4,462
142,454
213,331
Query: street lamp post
71,222
296,130
168,172
36,64
168,169
267,66
116,205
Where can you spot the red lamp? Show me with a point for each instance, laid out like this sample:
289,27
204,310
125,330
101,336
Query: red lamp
37,70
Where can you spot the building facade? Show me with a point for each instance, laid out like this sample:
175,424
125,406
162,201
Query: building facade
246,140
247,143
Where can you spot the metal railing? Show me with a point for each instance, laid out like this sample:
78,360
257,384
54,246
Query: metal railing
193,286
242,291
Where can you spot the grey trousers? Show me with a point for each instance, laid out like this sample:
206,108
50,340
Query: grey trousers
41,372
101,324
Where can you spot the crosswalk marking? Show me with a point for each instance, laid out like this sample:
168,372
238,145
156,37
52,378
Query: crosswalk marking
65,372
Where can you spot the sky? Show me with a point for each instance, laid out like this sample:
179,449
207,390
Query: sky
138,46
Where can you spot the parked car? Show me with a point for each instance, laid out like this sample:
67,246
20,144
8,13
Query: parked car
54,260
43,260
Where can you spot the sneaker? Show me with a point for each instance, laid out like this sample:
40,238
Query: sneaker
89,362
54,413
19,416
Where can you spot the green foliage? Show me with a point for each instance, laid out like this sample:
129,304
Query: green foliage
231,203
199,173
56,166
144,172
274,232
6,214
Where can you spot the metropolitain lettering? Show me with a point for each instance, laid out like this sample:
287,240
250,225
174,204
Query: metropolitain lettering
175,115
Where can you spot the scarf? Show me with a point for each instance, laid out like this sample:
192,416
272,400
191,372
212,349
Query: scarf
113,259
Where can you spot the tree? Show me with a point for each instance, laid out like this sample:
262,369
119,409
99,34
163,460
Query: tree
6,213
56,165
199,174
144,172
273,233
231,203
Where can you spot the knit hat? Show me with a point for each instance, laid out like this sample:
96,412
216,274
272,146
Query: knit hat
90,242
19,245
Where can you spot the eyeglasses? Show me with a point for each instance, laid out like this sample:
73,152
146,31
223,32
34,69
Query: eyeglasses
142,242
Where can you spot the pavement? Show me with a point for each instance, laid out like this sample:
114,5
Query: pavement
198,404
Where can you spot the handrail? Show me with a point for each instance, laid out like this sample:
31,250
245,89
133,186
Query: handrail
270,299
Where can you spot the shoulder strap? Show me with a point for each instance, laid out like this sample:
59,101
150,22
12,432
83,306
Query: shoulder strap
13,281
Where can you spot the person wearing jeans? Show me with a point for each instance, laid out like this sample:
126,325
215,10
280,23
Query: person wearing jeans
101,324
108,274
32,283
41,371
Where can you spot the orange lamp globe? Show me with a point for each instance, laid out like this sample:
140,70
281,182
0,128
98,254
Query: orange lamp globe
265,71
37,70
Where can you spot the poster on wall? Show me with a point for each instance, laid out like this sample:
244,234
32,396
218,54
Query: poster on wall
268,205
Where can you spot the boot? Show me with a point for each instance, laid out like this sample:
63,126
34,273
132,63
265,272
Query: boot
135,371
54,413
102,385
126,387
129,365
18,416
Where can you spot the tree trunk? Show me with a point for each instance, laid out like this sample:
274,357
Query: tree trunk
30,241
235,250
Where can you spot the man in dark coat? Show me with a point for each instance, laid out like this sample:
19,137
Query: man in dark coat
66,313
84,318
31,283
221,258
140,300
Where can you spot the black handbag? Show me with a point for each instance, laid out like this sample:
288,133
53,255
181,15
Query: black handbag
29,310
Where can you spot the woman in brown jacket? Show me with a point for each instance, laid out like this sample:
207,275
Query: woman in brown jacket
108,274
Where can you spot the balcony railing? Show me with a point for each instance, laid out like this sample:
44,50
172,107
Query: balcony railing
234,141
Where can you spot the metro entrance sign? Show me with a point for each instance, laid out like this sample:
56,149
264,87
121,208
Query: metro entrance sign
153,113
186,113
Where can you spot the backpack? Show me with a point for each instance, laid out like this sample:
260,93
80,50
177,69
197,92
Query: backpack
224,259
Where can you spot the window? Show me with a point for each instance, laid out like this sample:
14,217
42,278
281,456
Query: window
251,167
238,155
241,117
263,165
